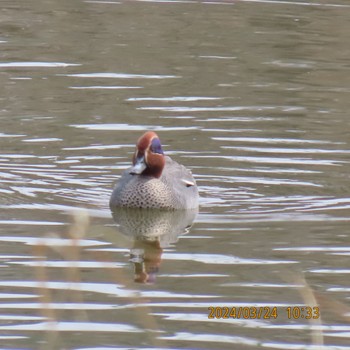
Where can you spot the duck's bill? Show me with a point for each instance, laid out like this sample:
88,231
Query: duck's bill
139,166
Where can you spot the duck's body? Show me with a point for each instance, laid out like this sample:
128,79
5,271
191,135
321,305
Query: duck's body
154,180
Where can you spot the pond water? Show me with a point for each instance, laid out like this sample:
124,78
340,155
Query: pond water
253,97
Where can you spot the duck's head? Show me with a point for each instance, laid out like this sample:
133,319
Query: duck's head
148,158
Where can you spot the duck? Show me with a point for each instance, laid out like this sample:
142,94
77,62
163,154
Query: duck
154,181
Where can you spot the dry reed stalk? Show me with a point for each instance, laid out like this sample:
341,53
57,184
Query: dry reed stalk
310,300
78,230
45,299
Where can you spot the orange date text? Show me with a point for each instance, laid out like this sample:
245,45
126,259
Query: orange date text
245,312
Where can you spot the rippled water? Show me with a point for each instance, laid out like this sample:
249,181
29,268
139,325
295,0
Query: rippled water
252,96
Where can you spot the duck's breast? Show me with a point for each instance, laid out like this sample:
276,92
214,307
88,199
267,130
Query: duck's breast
137,191
175,189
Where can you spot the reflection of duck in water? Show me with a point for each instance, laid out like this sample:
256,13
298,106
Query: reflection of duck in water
151,231
154,180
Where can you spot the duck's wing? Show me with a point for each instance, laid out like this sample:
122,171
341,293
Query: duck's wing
175,172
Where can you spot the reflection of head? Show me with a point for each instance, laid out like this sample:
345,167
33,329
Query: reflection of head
142,276
146,256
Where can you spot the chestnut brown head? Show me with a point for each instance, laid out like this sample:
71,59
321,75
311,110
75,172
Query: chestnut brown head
148,159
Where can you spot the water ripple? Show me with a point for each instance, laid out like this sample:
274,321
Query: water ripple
121,76
36,64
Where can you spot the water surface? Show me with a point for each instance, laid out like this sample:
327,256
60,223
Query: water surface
252,96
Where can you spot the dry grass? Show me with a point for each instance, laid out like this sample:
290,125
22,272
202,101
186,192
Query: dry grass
78,230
